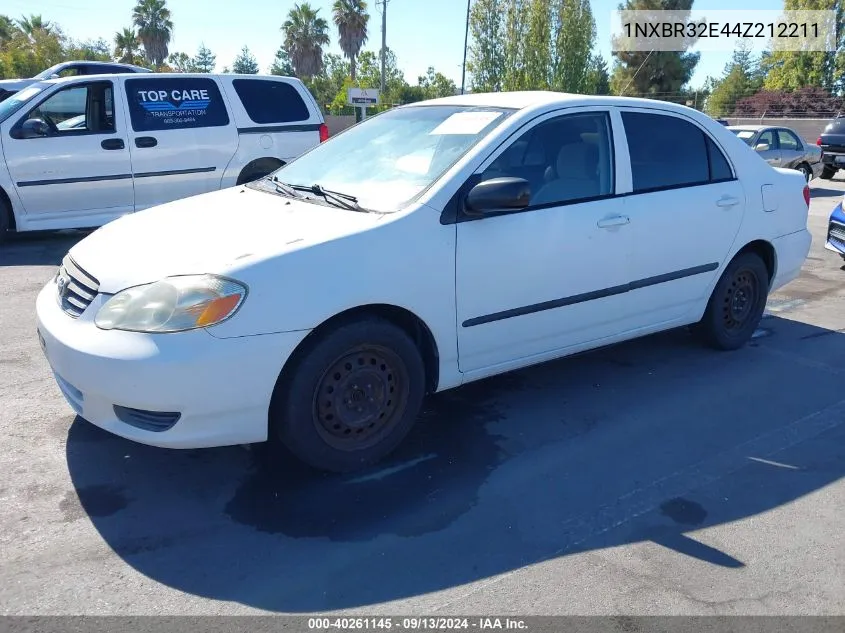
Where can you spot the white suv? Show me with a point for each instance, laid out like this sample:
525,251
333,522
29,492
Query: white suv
81,151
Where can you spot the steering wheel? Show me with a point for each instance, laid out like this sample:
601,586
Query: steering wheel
54,129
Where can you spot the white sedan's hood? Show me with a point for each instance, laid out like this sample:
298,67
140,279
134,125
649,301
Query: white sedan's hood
208,234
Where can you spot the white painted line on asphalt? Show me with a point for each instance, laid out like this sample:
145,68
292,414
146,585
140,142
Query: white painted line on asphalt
386,472
771,463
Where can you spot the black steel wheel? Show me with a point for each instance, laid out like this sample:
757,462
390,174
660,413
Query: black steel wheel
737,303
360,398
351,395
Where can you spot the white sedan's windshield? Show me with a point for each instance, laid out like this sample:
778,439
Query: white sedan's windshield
388,160
745,135
12,104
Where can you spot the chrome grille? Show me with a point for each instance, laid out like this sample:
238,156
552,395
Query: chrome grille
75,288
836,231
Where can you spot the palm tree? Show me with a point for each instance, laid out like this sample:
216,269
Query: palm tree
7,29
351,18
152,17
29,25
127,46
306,33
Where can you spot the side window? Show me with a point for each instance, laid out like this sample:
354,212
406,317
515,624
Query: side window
271,101
767,138
788,140
566,159
168,103
668,152
720,169
79,109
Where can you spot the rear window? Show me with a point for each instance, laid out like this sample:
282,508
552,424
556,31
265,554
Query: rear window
175,103
271,101
835,126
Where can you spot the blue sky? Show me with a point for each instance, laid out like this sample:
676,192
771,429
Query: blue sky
422,32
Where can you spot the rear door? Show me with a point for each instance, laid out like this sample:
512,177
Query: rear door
791,149
78,173
181,136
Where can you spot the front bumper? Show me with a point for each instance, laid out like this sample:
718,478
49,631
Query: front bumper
836,231
220,388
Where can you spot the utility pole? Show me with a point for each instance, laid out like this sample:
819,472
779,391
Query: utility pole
466,44
383,5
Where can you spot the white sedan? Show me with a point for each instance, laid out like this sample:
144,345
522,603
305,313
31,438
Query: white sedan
428,247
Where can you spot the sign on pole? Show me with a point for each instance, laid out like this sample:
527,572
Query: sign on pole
363,99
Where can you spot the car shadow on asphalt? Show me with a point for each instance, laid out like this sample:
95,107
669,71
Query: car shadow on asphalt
649,441
39,248
823,192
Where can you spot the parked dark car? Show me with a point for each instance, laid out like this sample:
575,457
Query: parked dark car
9,87
832,142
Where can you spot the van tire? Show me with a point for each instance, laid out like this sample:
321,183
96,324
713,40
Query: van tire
258,169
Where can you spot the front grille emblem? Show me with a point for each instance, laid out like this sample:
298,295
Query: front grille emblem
62,283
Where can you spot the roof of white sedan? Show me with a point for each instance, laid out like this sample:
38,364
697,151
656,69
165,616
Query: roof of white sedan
528,99
754,128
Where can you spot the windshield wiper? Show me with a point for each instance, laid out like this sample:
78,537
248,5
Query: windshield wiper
336,198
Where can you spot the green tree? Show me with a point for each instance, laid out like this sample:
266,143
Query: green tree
486,55
792,70
204,61
181,63
282,65
155,28
656,73
30,25
306,33
435,85
127,46
537,51
351,19
245,63
7,29
328,85
598,77
741,78
515,29
90,50
575,30
26,56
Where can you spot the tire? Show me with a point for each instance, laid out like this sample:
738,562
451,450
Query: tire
5,221
827,173
352,398
804,168
737,304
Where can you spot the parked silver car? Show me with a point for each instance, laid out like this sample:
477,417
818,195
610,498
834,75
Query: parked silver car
782,147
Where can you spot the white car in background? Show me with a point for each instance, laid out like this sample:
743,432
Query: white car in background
428,247
71,159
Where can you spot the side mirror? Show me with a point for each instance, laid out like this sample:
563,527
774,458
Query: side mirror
34,128
762,147
498,195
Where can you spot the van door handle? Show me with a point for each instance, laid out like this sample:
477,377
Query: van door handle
618,220
727,201
112,143
146,141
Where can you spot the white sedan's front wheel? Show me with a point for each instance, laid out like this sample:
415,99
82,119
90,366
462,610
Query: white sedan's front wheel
351,397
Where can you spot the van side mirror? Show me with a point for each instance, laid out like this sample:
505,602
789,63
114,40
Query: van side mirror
498,195
34,128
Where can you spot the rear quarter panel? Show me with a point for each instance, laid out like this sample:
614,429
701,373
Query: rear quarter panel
283,141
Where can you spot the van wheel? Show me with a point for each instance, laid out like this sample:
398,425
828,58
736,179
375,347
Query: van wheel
827,173
737,304
5,220
351,398
258,169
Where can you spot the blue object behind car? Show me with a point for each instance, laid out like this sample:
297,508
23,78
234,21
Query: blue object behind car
836,231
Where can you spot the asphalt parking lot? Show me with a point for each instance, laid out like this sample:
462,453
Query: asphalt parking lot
655,477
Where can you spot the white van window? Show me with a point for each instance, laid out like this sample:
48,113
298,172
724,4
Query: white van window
167,103
78,109
271,101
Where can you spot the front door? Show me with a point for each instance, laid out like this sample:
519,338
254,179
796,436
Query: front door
77,173
533,283
771,154
686,208
181,137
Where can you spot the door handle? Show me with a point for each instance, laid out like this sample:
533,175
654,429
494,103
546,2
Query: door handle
618,220
727,202
146,141
112,143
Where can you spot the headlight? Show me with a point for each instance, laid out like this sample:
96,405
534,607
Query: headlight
174,304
